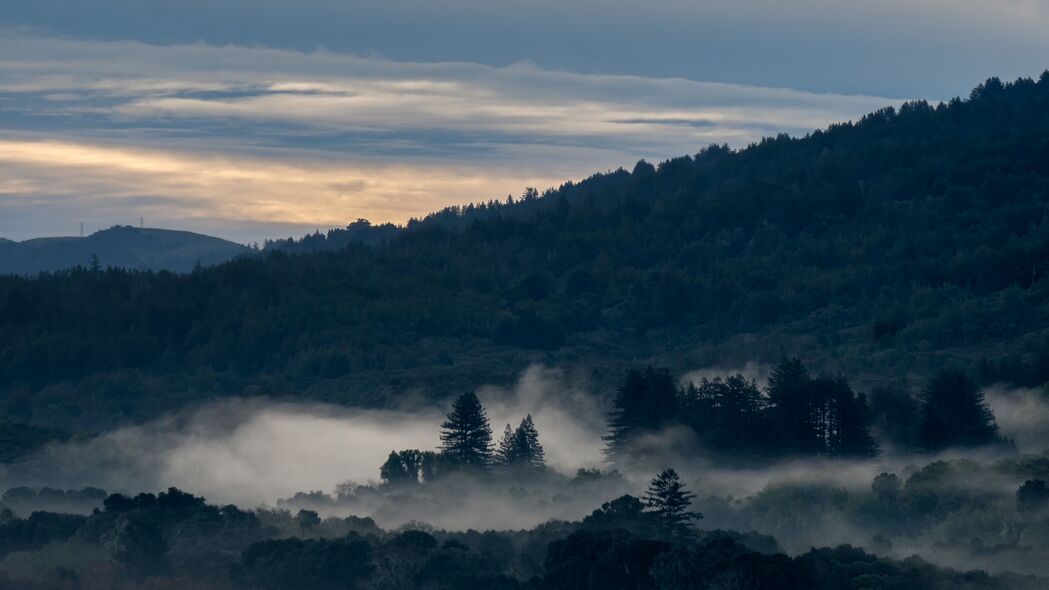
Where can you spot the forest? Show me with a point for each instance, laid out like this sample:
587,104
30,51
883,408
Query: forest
815,362
656,539
912,239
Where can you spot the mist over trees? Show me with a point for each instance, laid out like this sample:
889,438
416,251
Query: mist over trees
902,257
177,540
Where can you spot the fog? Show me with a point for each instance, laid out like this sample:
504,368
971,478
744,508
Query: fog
1022,415
254,451
262,452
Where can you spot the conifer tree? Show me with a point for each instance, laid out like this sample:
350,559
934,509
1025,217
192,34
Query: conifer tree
528,452
792,423
645,402
466,436
954,414
504,455
669,501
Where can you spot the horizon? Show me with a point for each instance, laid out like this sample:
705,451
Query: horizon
278,121
304,229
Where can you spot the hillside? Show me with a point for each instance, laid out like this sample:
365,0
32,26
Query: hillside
120,247
914,238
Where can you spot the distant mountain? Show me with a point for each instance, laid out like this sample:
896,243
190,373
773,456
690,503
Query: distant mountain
119,247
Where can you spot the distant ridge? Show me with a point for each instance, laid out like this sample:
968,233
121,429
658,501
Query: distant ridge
121,247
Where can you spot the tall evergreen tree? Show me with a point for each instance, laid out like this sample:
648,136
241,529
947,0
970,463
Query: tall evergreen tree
527,451
726,415
466,436
793,425
954,414
842,418
646,402
669,501
504,453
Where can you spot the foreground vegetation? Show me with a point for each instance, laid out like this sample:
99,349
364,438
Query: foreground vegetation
175,540
992,515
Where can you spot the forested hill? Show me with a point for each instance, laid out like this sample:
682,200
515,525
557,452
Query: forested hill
120,246
913,238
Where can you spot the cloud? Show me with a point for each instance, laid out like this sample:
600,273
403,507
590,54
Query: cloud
894,47
240,137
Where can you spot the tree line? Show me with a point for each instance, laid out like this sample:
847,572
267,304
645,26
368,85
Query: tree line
894,244
795,415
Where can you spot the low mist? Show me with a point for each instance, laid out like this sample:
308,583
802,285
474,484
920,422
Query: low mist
254,451
261,452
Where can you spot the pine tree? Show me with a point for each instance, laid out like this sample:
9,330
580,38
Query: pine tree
668,500
466,436
645,402
504,455
528,452
954,414
839,419
793,422
725,414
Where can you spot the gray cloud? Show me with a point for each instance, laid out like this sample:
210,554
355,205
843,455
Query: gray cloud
252,139
887,47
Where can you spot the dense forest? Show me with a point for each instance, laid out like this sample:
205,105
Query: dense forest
912,239
174,540
90,539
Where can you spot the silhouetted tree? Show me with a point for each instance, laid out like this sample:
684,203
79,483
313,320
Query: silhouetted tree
504,453
644,403
842,419
401,468
726,415
954,413
886,487
307,519
466,436
527,450
791,420
895,414
1032,496
669,501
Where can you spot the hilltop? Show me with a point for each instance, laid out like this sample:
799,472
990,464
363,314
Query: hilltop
120,247
913,238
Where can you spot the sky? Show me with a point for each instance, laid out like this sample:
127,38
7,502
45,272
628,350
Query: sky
253,119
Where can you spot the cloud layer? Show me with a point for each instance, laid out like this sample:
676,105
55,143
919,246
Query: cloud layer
247,141
896,48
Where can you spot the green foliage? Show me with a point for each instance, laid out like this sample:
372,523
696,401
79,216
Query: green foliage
798,415
18,440
954,414
727,415
466,436
1032,496
520,452
175,540
887,245
324,564
645,403
669,501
